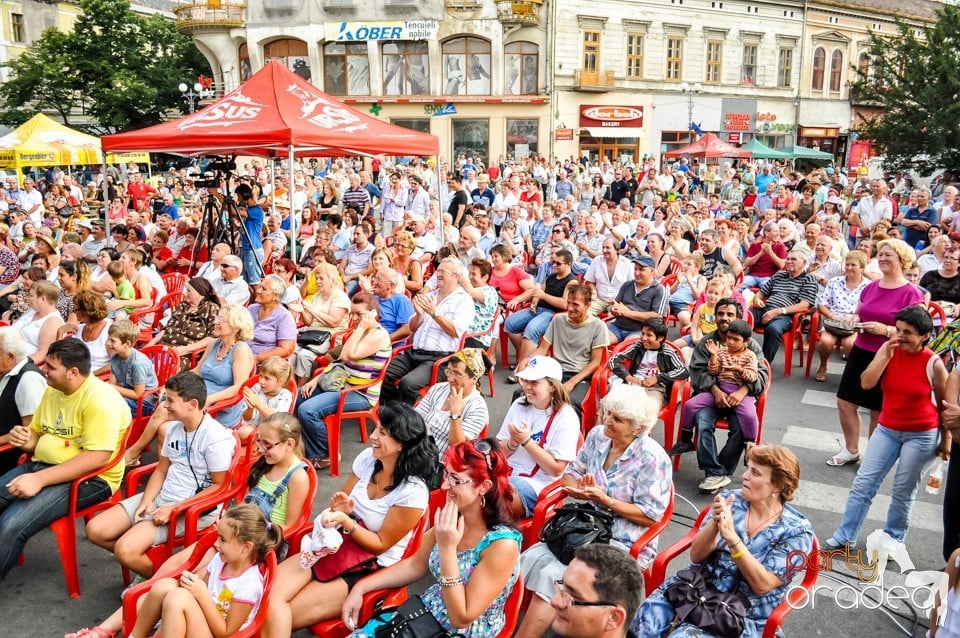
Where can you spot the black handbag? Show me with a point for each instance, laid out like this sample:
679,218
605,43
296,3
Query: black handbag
412,620
573,526
312,338
698,602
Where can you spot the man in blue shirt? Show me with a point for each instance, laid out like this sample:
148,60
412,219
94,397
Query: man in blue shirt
395,309
917,220
251,250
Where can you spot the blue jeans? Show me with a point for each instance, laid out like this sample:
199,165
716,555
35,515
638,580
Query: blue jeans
148,407
22,518
772,332
528,495
532,325
619,332
750,281
712,462
311,413
886,447
251,271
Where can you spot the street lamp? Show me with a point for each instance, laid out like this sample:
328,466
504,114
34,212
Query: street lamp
192,94
690,91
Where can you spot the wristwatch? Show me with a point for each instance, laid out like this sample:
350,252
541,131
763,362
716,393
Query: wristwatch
454,417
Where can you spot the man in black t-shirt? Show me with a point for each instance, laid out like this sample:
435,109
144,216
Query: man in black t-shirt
459,200
526,327
632,185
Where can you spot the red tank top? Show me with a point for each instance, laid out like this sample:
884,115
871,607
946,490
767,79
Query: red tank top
908,401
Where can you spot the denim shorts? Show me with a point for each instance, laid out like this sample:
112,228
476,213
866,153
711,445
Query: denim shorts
528,495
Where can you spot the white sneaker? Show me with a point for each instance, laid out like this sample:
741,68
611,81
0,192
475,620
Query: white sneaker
713,484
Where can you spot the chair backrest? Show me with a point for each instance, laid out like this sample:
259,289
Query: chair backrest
511,609
174,282
166,362
269,577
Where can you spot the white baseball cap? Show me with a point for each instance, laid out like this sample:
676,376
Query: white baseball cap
541,367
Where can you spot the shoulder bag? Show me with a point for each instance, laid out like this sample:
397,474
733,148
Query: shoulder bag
573,526
698,602
412,620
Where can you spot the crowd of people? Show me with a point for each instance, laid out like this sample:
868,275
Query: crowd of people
396,289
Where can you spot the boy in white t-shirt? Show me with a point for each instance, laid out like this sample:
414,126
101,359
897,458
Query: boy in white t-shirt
195,459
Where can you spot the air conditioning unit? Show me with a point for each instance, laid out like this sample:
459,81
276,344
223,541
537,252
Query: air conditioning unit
280,5
339,4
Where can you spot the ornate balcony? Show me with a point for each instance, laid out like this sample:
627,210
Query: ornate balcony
204,15
521,12
585,80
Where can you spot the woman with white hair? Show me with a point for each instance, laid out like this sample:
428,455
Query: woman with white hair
619,470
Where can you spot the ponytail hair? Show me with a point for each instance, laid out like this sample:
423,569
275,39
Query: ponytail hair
249,525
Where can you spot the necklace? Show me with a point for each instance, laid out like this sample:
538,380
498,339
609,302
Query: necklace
763,523
221,352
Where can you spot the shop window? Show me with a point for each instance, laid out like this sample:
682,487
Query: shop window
421,125
466,66
714,60
591,51
784,68
635,42
674,58
748,66
406,68
346,68
471,138
292,53
522,137
836,70
521,68
819,61
243,54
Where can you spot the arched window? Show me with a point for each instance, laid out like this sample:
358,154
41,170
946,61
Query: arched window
466,66
406,68
819,60
521,64
346,68
292,52
243,54
836,70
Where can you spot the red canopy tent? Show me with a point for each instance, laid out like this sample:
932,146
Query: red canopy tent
710,146
274,113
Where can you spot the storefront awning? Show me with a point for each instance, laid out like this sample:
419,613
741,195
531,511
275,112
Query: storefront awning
597,131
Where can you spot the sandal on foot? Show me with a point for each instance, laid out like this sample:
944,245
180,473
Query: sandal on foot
843,457
91,632
821,377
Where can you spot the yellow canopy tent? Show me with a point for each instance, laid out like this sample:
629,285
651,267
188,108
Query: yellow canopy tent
41,141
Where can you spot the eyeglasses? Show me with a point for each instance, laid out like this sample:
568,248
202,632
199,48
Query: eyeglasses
567,599
453,480
557,230
454,374
558,263
266,447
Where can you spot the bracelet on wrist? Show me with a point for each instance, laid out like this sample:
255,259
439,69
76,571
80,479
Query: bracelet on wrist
524,444
738,554
450,581
512,448
352,529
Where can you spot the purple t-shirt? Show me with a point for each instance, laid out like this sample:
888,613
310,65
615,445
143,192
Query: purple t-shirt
268,332
883,304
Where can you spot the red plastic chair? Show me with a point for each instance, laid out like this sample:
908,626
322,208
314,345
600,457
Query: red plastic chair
333,421
335,628
789,341
443,360
132,595
174,283
796,595
435,371
153,314
511,608
166,363
814,341
939,317
65,529
722,423
653,532
191,509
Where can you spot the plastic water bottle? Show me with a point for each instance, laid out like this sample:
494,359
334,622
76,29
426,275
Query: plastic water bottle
938,470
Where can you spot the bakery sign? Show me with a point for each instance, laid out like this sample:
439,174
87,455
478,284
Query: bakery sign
611,116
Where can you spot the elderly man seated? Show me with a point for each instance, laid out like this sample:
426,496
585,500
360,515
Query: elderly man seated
637,301
786,293
441,318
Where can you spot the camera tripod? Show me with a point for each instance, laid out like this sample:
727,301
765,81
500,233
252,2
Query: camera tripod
221,223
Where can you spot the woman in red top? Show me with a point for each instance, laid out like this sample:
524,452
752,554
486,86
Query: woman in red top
913,379
510,280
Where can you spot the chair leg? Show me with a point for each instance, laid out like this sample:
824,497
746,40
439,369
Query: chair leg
504,348
362,422
493,390
812,347
333,442
787,353
66,532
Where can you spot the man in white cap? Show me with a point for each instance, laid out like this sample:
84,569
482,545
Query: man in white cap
427,245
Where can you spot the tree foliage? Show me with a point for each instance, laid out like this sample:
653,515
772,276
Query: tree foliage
915,81
117,68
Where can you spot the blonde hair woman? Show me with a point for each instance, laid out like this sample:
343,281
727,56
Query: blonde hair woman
328,311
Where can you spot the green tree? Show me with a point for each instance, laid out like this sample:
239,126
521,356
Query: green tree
914,79
117,68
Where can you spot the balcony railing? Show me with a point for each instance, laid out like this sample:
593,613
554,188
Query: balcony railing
519,12
463,4
197,15
593,80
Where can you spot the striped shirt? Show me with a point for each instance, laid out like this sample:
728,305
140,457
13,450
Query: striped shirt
365,370
782,290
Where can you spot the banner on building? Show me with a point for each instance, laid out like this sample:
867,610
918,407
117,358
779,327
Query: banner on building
738,115
381,30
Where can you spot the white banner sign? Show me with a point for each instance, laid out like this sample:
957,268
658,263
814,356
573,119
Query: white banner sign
381,30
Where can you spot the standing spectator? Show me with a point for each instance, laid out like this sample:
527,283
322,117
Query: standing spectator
251,249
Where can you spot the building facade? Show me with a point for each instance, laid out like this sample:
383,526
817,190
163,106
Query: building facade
474,73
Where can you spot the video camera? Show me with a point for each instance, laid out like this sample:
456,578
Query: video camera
221,169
